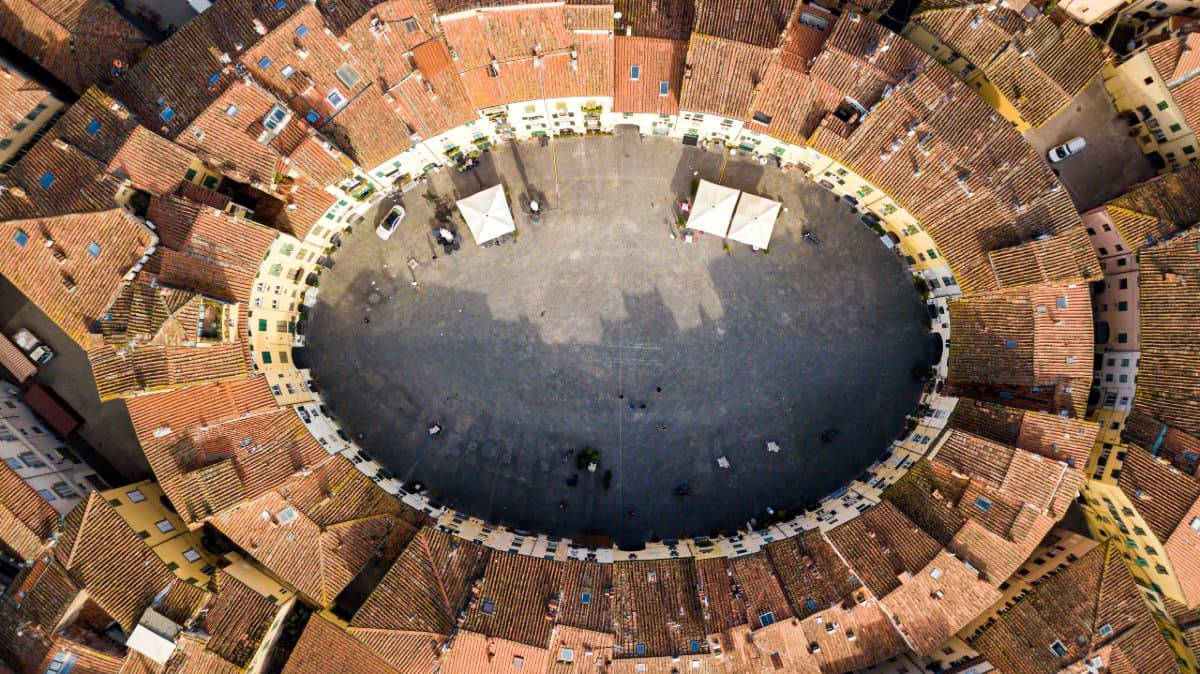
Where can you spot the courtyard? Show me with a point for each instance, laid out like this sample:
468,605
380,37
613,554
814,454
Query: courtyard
599,328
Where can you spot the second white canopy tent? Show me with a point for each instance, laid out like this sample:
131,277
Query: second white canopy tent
718,210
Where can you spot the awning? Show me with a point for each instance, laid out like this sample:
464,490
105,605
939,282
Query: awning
487,214
754,220
712,207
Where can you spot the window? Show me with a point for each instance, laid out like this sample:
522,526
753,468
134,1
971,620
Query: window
280,4
164,526
1188,149
191,555
335,98
1163,105
1195,524
410,25
348,75
47,494
301,30
635,73
46,180
1010,344
664,88
1123,284
135,496
767,618
586,597
762,118
93,249
1122,337
266,357
639,648
1122,306
13,462
167,114
287,71
32,460
283,357
983,504
276,270
63,490
281,326
264,62
1175,127
1058,648
20,238
1149,80
93,127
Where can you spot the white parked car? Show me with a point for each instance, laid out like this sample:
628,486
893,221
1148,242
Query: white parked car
1061,152
390,223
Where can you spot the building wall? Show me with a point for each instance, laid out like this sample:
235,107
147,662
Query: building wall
1088,12
713,128
1139,93
649,124
12,140
144,509
40,457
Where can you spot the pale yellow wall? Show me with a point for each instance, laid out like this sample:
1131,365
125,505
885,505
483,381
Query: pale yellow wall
14,139
143,517
1127,84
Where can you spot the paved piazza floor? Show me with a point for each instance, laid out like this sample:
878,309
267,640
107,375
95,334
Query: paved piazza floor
523,350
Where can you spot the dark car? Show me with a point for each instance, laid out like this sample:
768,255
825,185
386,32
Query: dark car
683,490
829,434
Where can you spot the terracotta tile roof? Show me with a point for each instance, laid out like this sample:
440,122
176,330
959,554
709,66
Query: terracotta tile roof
841,638
367,129
517,599
205,405
1069,608
406,651
667,19
660,60
937,600
758,22
587,647
1040,62
218,463
760,584
75,40
224,136
120,371
1162,495
27,521
813,576
237,619
1176,61
180,78
722,602
1058,438
99,126
384,42
1067,257
206,250
44,592
589,73
321,640
1173,196
1139,229
882,544
722,75
1168,386
1177,447
77,276
87,660
594,15
1019,475
924,147
655,605
18,97
120,573
318,560
1022,341
1183,549
594,579
474,653
26,650
426,587
791,103
434,99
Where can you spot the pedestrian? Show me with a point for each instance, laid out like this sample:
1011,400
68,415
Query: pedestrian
642,406
562,505
366,319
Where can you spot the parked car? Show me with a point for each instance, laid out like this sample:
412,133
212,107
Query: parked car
389,224
1071,147
33,347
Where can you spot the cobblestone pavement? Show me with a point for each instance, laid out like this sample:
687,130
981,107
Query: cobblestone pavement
560,341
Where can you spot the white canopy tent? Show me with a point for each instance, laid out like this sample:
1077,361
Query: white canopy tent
754,220
712,208
487,214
